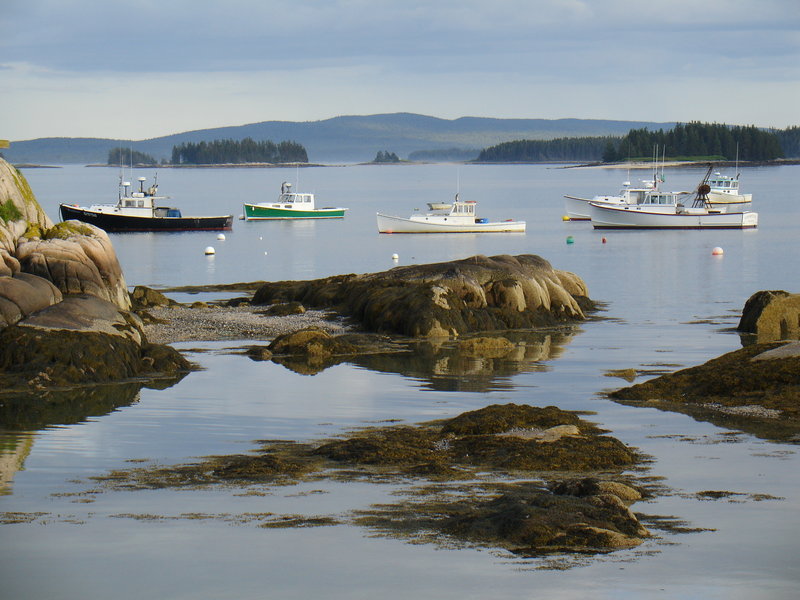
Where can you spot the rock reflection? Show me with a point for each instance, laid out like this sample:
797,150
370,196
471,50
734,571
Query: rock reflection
476,364
36,410
14,449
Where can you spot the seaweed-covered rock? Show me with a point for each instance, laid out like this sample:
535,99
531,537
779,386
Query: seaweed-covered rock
772,316
756,389
446,299
145,297
31,358
536,523
509,437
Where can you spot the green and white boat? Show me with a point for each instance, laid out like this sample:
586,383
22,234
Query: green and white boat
290,205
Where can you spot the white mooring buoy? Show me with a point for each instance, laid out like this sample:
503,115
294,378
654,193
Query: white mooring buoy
221,236
395,256
210,250
717,251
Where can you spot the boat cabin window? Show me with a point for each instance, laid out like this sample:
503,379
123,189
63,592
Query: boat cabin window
659,199
464,209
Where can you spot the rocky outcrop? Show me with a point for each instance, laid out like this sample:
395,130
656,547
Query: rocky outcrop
772,316
64,316
446,299
754,389
75,257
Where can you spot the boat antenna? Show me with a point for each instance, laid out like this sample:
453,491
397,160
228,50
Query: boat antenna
737,160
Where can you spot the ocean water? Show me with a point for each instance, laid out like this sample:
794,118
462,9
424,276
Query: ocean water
668,304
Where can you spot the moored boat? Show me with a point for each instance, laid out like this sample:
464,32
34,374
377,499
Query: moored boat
577,208
140,211
460,218
666,210
290,205
724,192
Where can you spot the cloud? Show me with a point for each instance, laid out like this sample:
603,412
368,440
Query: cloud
527,58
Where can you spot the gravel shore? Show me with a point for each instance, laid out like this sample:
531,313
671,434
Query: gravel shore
216,323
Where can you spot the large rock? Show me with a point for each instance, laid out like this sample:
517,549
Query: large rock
446,299
76,257
17,203
24,294
79,259
772,316
80,340
64,317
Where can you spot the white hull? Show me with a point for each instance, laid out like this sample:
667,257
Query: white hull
731,202
636,217
577,208
444,224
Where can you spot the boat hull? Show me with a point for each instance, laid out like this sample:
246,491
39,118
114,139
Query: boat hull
255,212
390,224
606,217
117,222
577,208
730,202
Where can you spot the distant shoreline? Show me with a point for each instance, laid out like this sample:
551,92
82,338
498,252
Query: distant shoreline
554,164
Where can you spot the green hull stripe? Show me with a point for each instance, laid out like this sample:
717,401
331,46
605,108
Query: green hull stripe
265,212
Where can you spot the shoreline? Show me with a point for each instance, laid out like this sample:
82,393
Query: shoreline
214,323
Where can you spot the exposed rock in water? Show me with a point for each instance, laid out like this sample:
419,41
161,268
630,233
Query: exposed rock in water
587,514
446,299
755,389
772,316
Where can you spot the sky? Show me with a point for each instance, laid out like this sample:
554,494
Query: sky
146,68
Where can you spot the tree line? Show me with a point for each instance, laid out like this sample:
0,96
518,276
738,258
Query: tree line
237,152
560,149
692,140
126,156
696,140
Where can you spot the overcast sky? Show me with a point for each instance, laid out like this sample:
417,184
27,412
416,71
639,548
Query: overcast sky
146,68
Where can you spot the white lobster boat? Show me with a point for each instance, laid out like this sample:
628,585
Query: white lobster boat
665,210
577,208
460,218
724,192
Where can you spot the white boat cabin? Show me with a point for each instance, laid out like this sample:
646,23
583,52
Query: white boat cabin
292,200
662,198
144,198
724,184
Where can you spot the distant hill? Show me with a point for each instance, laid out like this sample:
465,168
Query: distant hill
340,139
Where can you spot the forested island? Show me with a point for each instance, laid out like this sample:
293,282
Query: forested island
218,152
690,141
238,152
125,156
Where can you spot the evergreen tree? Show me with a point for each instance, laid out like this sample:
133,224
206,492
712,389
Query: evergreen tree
126,156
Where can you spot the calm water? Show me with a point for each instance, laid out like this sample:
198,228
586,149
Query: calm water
670,302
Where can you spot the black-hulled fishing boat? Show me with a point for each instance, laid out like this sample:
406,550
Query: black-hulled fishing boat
140,211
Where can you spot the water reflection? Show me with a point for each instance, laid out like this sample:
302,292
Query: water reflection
32,411
14,449
455,365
